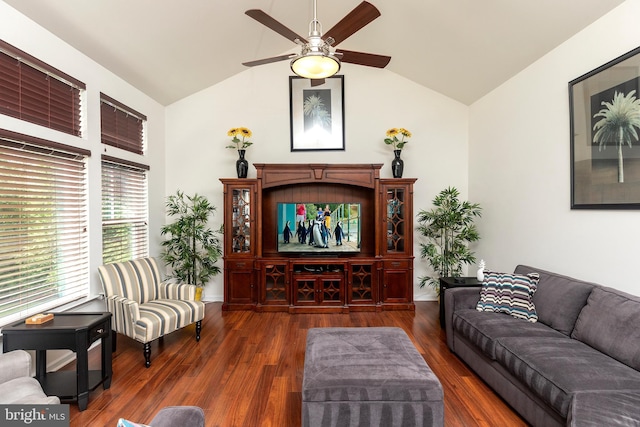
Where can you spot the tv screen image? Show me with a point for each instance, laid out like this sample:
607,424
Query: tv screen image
318,227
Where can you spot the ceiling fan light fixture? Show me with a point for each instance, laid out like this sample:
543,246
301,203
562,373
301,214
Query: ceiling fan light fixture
315,65
318,58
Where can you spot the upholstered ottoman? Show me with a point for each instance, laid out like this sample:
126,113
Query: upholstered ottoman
368,377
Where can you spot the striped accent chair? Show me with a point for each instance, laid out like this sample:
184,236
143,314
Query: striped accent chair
143,306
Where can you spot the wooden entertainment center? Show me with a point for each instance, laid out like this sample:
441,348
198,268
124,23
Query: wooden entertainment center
379,276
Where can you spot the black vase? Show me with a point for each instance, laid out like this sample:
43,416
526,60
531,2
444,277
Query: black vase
242,166
397,165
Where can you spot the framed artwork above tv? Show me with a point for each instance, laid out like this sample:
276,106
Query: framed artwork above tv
317,113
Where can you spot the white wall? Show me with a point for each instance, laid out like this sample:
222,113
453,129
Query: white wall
516,164
520,167
375,100
27,36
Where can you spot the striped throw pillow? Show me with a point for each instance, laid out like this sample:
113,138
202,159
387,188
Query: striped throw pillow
126,423
509,293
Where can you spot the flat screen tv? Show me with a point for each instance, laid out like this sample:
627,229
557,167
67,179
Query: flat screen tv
317,228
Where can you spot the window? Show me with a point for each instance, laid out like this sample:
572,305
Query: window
44,256
122,126
33,91
125,231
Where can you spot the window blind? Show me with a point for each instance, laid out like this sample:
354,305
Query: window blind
125,231
33,91
43,227
121,126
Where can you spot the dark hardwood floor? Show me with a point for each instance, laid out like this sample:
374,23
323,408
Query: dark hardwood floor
247,371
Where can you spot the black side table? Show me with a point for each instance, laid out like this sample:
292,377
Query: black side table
69,331
454,282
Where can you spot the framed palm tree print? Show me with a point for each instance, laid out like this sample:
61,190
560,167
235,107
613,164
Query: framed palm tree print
317,113
605,131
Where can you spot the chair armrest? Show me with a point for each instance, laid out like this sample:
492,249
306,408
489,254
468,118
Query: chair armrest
172,416
458,299
14,364
124,314
179,291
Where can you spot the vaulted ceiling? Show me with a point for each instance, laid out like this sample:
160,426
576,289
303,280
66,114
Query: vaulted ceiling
170,49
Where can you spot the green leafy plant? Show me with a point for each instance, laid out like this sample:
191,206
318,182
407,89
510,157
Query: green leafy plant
448,228
192,248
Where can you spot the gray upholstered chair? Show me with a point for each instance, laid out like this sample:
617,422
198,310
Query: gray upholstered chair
17,386
184,416
144,306
172,416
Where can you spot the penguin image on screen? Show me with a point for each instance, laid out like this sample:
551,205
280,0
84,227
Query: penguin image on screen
320,232
338,233
310,233
301,231
286,233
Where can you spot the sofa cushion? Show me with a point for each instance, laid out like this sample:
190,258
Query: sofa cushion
558,299
556,368
609,323
484,328
611,409
509,293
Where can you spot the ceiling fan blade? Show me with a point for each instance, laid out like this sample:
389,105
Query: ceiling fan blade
363,14
360,58
271,23
269,60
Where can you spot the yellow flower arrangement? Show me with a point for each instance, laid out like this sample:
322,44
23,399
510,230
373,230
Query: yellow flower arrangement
397,137
236,134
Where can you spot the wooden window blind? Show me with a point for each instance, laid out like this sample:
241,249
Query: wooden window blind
33,91
44,259
121,126
125,230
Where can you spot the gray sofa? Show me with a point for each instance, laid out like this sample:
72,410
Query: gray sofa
578,365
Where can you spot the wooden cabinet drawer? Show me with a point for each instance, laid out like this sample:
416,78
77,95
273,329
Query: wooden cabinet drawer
401,264
239,264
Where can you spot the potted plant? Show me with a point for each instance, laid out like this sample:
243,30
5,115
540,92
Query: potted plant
192,248
448,228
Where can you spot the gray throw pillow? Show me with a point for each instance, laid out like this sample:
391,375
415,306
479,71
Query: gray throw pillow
558,299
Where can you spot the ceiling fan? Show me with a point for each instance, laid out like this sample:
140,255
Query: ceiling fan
318,58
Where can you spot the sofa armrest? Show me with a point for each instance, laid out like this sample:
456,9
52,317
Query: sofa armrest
179,291
458,299
605,408
124,314
14,364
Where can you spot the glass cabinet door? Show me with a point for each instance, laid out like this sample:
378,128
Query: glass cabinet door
396,220
274,279
241,221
